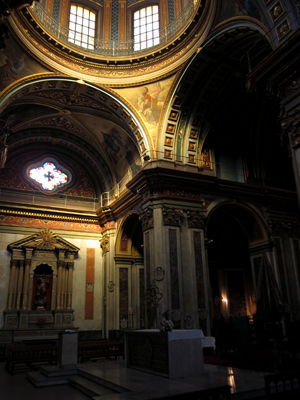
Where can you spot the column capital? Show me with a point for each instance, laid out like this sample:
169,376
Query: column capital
291,126
172,216
104,245
147,219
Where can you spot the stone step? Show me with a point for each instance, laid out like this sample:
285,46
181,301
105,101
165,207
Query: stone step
89,387
54,370
38,379
110,385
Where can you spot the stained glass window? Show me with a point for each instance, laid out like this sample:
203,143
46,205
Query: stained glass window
146,27
48,176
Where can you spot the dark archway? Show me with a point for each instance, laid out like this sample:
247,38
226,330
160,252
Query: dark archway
234,232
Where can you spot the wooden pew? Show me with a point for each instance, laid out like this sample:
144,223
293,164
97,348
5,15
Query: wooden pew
29,355
92,350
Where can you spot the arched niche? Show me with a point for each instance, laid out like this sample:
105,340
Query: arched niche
39,301
129,264
236,239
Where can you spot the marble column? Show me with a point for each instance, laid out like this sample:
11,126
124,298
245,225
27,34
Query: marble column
20,284
26,285
70,282
59,285
12,285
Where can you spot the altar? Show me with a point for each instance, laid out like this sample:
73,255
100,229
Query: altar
175,354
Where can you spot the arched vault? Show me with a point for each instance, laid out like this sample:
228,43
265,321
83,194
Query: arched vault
86,127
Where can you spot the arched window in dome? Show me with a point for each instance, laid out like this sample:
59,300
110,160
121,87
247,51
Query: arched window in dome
146,27
82,26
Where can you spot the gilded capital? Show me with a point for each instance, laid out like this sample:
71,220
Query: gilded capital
171,216
195,219
147,219
291,126
104,244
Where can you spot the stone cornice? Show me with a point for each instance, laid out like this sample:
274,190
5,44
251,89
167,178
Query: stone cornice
279,67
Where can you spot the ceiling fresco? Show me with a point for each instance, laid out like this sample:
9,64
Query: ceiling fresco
15,64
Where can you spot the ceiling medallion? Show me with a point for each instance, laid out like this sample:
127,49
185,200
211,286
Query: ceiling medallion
46,239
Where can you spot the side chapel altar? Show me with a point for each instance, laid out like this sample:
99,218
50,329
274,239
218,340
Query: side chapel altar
175,354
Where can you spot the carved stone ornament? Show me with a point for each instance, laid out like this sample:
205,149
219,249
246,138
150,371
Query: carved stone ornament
104,244
111,286
195,219
291,126
172,216
159,274
276,11
90,288
123,323
283,29
147,219
176,315
188,322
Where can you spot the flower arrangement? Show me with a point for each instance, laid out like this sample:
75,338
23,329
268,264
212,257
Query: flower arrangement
166,325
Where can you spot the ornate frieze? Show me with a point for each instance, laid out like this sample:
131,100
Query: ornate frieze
290,228
171,216
147,219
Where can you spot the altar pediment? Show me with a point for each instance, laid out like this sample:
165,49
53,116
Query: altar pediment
44,240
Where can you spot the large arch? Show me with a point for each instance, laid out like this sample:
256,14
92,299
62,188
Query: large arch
236,238
73,120
194,104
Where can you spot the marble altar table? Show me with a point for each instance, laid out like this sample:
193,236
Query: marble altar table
175,354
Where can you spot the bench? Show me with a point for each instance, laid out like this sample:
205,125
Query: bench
29,355
103,348
283,385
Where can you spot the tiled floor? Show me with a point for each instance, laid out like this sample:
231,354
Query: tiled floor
245,384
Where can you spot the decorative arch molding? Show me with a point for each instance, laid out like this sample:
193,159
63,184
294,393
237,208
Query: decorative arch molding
256,228
40,263
103,97
186,124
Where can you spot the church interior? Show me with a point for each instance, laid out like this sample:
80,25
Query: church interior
150,170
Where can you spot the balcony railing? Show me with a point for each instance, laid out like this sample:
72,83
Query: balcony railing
114,48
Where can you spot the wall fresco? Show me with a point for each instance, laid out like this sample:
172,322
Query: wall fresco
16,64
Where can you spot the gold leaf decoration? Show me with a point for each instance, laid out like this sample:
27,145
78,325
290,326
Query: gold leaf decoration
46,239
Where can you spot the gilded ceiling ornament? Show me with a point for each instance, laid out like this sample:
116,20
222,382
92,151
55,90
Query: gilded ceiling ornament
46,239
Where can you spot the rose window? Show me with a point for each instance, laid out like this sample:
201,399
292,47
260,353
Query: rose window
48,176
